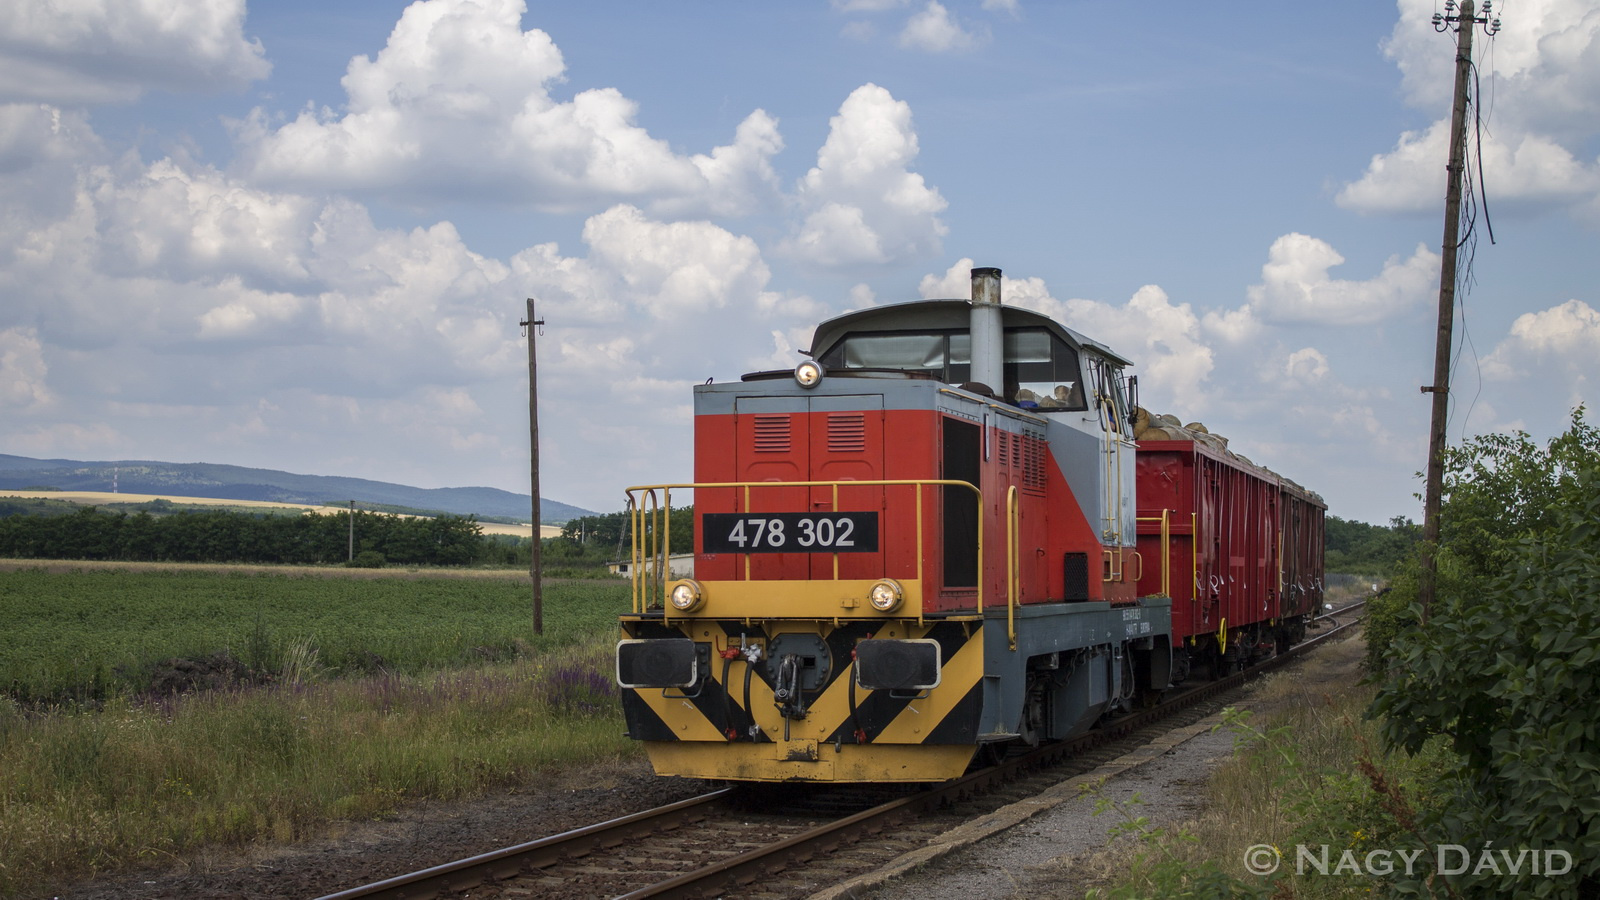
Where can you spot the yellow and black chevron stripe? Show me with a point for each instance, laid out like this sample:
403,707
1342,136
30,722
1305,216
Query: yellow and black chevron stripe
729,726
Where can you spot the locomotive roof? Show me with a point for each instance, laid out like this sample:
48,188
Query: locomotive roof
920,315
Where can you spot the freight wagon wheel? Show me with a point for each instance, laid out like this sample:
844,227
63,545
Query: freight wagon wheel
1224,664
1182,664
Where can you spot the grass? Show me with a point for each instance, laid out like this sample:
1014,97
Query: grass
91,633
150,713
139,781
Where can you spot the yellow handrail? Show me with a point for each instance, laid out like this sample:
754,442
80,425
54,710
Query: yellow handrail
1166,554
660,498
1013,586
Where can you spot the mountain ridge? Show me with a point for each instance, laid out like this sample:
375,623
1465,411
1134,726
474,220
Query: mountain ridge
229,482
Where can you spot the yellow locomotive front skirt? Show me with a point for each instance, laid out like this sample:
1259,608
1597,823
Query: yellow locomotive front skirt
798,700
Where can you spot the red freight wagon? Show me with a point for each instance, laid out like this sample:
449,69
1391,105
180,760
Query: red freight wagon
1244,552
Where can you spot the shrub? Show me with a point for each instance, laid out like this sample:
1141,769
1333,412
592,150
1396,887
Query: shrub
367,559
1508,669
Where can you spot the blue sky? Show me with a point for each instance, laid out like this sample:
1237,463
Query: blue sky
300,235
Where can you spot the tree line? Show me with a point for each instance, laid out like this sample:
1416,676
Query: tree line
612,533
224,536
1364,549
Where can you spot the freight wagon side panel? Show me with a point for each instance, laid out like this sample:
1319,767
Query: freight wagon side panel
1223,521
1166,492
1303,542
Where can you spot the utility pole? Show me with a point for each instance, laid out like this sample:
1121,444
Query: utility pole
535,564
1465,24
352,557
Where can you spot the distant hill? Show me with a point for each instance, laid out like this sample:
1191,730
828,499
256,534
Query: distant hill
240,483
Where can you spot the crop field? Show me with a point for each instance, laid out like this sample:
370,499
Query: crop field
147,713
89,633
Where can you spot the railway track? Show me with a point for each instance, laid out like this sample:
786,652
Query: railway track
772,841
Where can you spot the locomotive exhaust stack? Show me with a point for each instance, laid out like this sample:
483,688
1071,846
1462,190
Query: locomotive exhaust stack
988,341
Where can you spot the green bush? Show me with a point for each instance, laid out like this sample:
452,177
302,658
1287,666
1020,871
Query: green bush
1508,666
367,559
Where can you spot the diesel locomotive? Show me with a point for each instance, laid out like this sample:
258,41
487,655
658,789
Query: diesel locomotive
938,537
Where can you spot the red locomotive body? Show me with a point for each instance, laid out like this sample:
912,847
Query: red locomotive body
1000,450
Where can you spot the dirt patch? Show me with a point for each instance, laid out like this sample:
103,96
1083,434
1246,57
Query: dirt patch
429,834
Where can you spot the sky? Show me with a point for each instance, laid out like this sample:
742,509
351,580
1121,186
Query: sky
302,235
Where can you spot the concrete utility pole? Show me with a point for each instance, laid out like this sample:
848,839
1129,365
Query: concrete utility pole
1464,23
535,564
352,557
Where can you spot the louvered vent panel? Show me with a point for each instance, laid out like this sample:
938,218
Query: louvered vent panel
772,434
1033,463
1005,449
847,432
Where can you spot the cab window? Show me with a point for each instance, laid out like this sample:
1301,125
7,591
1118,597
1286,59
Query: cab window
1041,371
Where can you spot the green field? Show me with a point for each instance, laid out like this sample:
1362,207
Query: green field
341,698
94,633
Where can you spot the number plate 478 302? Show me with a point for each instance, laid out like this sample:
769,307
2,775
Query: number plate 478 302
835,532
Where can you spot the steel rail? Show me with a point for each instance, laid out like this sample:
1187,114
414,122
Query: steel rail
509,862
745,868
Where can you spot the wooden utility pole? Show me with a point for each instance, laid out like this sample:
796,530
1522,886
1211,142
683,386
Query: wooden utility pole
1465,23
535,564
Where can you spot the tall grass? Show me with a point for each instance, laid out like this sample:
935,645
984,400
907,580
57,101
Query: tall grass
142,780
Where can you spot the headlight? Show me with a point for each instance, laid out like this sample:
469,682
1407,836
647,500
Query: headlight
886,595
808,373
686,595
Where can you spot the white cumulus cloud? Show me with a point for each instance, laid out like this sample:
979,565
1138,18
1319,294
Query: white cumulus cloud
1296,287
1308,364
1563,339
934,30
1543,69
679,267
22,369
458,102
866,207
111,51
